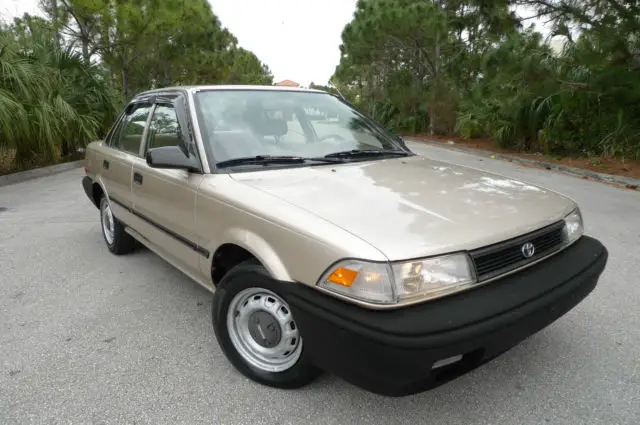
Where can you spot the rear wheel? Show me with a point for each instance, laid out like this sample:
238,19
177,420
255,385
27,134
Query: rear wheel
256,329
118,241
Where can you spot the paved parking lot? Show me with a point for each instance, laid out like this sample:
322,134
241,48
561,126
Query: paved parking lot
87,337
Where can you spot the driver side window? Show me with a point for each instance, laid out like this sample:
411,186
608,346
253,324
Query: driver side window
133,126
163,129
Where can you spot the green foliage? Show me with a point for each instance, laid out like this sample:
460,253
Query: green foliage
506,102
573,103
64,79
470,67
408,59
51,100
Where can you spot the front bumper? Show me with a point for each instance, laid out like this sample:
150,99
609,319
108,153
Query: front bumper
393,352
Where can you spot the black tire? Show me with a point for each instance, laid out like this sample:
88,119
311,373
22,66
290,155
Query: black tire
244,276
123,243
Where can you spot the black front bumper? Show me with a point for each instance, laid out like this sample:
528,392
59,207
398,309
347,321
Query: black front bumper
392,352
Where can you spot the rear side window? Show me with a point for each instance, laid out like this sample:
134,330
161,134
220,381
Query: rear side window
132,130
163,129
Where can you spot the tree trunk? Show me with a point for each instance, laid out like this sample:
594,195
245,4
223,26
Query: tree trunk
436,81
125,82
85,39
372,106
54,10
85,50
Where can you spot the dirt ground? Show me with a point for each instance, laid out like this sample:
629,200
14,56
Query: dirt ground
615,166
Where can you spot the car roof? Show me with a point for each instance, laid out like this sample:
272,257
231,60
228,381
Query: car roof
196,88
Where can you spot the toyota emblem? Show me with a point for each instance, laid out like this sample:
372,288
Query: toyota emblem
528,250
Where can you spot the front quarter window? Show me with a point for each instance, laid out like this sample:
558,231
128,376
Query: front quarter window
249,123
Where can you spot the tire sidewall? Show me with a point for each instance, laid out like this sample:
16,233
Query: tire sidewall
111,246
255,276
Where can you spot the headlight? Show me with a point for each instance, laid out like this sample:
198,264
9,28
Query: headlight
360,280
394,283
417,279
573,227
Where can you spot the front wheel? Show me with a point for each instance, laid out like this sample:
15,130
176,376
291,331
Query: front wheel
256,329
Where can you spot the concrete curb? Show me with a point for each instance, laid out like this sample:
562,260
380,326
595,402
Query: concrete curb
627,182
22,176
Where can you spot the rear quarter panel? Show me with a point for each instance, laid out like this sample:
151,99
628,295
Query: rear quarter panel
90,160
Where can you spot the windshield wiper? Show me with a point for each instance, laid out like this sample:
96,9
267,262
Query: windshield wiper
273,159
354,153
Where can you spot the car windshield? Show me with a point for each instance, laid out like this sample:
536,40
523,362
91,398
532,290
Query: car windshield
239,124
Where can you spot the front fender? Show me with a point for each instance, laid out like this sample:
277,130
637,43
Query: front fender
294,245
258,247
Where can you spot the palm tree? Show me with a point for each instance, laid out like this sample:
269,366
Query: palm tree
51,101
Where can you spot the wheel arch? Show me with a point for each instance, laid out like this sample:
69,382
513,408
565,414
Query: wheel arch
97,190
240,245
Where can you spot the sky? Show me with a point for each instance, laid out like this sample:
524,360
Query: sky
298,39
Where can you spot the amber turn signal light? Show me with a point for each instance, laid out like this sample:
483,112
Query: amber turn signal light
343,276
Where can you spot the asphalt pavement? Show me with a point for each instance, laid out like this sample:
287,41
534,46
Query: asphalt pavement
90,338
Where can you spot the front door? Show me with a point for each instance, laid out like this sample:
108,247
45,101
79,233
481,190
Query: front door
164,199
117,158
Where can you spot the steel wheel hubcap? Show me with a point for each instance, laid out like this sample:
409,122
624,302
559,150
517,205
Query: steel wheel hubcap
262,329
107,222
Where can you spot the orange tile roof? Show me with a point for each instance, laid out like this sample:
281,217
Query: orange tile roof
288,83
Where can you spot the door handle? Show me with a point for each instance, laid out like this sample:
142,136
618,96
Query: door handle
105,164
137,178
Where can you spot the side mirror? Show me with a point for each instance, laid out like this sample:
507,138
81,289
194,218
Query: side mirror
172,157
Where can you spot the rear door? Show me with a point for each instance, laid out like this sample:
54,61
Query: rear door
164,199
116,159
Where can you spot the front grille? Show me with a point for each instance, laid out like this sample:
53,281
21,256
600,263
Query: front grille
503,257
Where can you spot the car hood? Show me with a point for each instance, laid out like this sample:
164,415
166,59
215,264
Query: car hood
414,206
